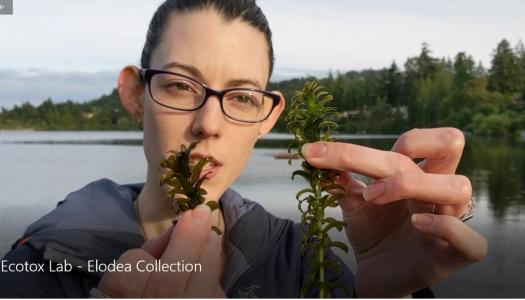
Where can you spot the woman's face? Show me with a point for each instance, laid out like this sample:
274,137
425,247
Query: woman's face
221,55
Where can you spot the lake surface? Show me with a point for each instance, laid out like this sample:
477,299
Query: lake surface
38,169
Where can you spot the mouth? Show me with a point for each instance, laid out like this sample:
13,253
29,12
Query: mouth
209,170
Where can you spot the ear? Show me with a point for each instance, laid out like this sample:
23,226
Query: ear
130,90
268,124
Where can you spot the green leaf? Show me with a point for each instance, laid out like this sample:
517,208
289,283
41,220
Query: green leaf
216,229
184,181
213,205
339,225
337,244
181,201
298,195
301,173
334,266
336,197
198,168
333,186
199,182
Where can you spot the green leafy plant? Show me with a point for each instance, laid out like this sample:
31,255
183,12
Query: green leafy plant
309,119
184,181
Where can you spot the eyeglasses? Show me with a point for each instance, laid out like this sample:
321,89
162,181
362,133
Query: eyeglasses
180,92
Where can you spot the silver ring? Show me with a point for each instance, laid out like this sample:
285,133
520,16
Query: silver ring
469,214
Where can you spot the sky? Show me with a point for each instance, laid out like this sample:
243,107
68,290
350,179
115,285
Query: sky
74,49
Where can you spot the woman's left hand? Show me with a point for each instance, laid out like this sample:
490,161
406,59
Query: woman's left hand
404,228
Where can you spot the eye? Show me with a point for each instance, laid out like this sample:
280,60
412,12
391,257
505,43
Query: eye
243,99
179,86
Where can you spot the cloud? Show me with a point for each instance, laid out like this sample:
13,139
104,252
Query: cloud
36,85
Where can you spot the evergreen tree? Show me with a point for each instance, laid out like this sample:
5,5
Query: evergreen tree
423,66
520,53
463,70
479,71
392,85
429,92
505,75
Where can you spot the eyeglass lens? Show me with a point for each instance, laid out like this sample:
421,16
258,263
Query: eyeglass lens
182,93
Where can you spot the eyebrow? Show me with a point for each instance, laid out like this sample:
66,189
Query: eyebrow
197,73
241,82
188,68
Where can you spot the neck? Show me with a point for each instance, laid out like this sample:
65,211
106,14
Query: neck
155,212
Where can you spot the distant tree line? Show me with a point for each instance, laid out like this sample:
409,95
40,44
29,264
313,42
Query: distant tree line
431,92
104,113
427,92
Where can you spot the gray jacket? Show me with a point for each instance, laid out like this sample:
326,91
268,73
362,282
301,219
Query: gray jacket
98,222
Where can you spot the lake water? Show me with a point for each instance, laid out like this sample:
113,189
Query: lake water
38,169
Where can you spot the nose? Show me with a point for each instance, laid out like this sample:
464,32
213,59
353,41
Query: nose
208,119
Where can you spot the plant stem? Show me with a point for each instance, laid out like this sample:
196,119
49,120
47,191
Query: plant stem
320,248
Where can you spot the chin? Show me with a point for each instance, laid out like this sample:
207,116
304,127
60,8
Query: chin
216,186
214,191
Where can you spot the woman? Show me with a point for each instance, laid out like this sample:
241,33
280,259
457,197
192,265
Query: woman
198,60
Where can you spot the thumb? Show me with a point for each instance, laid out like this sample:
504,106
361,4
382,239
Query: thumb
156,246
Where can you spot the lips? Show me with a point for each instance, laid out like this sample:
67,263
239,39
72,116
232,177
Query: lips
210,169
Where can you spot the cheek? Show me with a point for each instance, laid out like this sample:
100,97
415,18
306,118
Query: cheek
241,146
163,131
150,140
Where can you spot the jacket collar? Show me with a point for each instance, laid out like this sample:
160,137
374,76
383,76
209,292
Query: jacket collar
98,222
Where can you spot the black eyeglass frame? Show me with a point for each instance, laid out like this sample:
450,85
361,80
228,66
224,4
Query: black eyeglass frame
147,74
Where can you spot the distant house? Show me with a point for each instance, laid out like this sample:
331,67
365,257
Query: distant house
87,115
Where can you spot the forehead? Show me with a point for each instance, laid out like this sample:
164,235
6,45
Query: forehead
220,50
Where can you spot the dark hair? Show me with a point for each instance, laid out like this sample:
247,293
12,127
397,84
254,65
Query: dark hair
229,10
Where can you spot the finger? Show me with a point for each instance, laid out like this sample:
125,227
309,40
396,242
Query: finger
203,284
156,246
358,159
454,190
350,183
440,147
186,244
347,184
467,243
127,284
353,189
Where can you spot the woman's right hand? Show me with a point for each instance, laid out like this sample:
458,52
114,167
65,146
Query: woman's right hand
190,241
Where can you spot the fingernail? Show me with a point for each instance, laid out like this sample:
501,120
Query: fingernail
373,191
422,219
359,182
314,150
201,214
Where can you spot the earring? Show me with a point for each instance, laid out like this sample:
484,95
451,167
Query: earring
140,122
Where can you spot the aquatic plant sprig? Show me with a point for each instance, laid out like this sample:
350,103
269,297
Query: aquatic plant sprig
309,119
185,181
